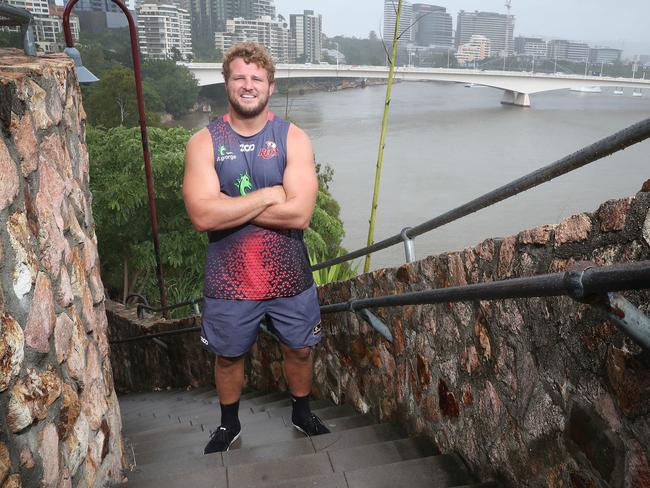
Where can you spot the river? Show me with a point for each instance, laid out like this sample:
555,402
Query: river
447,144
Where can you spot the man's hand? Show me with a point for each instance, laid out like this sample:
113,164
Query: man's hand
299,183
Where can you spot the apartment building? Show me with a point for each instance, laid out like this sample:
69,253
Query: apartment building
306,31
164,31
498,28
271,33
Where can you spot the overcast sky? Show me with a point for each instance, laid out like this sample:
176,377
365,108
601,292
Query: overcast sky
623,24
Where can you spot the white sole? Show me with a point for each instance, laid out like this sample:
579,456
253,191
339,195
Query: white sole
233,441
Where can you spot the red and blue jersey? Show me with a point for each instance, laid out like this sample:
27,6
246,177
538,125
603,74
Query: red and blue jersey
251,262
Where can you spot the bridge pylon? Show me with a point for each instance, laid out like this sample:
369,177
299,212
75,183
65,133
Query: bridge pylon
519,99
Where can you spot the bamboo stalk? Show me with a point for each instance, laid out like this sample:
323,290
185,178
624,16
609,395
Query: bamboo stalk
384,125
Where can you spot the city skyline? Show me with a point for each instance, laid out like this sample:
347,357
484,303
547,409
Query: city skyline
578,21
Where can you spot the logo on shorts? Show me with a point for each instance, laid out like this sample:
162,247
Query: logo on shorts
204,340
317,329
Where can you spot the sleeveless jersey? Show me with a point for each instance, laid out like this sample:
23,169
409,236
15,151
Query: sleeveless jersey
250,262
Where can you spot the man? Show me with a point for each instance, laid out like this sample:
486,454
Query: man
250,183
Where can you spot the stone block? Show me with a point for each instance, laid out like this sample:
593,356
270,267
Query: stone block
506,257
13,481
629,378
41,319
12,345
538,235
27,459
75,446
62,337
612,214
70,410
574,229
5,462
8,177
646,228
64,296
24,136
76,360
48,450
26,263
31,397
38,106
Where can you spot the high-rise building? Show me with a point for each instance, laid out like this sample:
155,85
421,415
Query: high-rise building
432,25
95,6
306,30
605,55
164,31
405,30
210,16
271,33
562,49
498,28
48,24
530,46
476,49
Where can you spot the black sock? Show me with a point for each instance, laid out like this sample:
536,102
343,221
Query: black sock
300,407
230,416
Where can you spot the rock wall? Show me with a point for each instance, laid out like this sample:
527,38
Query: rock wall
532,392
176,361
61,423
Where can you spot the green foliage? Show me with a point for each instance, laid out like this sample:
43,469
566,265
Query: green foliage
112,101
338,272
105,50
120,207
175,85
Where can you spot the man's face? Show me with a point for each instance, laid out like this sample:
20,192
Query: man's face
248,88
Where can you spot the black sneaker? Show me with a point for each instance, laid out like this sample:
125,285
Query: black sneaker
221,440
310,426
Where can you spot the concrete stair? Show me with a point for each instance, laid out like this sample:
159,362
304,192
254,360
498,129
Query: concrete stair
165,433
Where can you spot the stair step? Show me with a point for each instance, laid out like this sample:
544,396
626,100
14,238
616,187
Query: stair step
279,470
353,458
176,467
355,437
205,478
334,480
439,471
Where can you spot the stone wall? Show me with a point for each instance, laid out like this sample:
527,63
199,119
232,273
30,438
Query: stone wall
532,392
175,361
61,423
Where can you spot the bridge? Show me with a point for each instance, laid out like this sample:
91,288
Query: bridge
517,85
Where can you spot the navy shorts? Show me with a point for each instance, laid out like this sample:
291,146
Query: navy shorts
229,327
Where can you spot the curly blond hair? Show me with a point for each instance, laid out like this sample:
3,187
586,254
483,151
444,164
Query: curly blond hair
250,52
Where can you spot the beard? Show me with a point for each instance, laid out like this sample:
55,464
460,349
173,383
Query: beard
248,111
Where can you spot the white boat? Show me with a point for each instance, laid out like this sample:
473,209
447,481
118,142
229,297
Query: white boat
637,92
618,91
587,89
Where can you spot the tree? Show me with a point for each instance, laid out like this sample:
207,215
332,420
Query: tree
112,101
176,86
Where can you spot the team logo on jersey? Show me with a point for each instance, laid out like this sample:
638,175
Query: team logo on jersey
223,154
269,150
243,184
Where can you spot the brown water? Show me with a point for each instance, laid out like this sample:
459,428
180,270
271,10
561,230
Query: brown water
447,144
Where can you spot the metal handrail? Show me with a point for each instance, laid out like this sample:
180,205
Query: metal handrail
14,16
605,147
588,284
578,285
